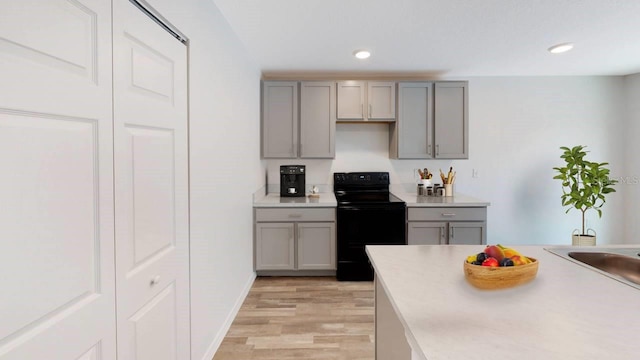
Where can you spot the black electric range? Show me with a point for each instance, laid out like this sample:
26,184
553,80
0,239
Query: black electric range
367,214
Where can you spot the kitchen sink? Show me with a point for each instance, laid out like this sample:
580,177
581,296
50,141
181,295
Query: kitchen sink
622,264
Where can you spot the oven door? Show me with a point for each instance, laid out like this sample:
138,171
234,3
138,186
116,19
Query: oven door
361,225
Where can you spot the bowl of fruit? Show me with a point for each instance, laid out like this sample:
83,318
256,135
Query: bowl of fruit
499,267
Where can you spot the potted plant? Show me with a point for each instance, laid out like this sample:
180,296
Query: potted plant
584,186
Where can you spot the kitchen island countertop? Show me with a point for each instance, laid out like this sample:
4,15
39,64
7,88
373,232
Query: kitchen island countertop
567,312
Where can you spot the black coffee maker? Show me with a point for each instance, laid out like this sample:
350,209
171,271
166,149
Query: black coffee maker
292,180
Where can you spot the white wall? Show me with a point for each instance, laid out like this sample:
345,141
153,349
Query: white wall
225,167
517,125
632,159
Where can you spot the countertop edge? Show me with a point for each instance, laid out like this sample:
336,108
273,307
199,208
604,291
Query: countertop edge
457,200
273,200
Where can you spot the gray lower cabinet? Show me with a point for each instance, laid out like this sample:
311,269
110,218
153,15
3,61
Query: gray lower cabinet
447,225
366,101
289,133
316,246
275,246
432,121
295,240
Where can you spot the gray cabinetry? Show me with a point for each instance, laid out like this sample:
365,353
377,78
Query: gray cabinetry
298,123
280,119
451,120
412,135
432,121
275,246
427,233
317,119
447,225
366,101
295,241
316,246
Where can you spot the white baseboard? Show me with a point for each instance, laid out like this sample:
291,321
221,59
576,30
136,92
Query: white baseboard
211,351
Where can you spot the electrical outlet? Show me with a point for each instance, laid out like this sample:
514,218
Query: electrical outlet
474,173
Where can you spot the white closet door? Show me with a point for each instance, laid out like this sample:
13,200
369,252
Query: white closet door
151,184
57,297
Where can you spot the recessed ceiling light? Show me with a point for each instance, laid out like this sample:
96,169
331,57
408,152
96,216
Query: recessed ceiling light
361,54
560,48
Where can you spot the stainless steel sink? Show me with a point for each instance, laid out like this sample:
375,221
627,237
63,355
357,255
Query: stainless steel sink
622,264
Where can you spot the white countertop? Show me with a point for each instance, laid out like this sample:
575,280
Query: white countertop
329,200
274,200
567,312
457,200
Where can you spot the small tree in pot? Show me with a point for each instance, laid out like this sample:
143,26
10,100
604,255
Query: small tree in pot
584,185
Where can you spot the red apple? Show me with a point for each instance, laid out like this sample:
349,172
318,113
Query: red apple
490,261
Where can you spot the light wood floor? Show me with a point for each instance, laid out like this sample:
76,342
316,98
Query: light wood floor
302,318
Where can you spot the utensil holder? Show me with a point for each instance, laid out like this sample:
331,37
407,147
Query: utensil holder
448,190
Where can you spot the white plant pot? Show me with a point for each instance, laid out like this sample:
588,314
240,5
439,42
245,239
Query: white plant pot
583,239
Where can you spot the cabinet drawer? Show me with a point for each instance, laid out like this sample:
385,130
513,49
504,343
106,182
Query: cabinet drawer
447,214
295,214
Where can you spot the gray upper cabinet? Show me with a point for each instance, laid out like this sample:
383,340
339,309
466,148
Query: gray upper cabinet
366,101
381,100
298,127
451,120
317,119
280,119
412,136
432,121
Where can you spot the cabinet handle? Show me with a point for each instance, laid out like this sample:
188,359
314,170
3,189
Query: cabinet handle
437,149
155,280
448,214
370,111
362,110
429,150
451,231
442,237
295,215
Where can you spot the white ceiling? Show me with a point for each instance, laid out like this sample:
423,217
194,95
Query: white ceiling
439,38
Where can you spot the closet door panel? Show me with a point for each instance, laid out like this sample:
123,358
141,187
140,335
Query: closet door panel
56,152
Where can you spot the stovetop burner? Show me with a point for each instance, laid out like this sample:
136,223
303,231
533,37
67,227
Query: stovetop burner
363,188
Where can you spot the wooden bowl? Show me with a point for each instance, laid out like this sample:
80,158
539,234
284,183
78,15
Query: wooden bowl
491,278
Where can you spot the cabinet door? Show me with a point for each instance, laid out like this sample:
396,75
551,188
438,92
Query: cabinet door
280,119
275,246
316,246
467,233
427,233
317,119
381,99
451,120
415,120
351,100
